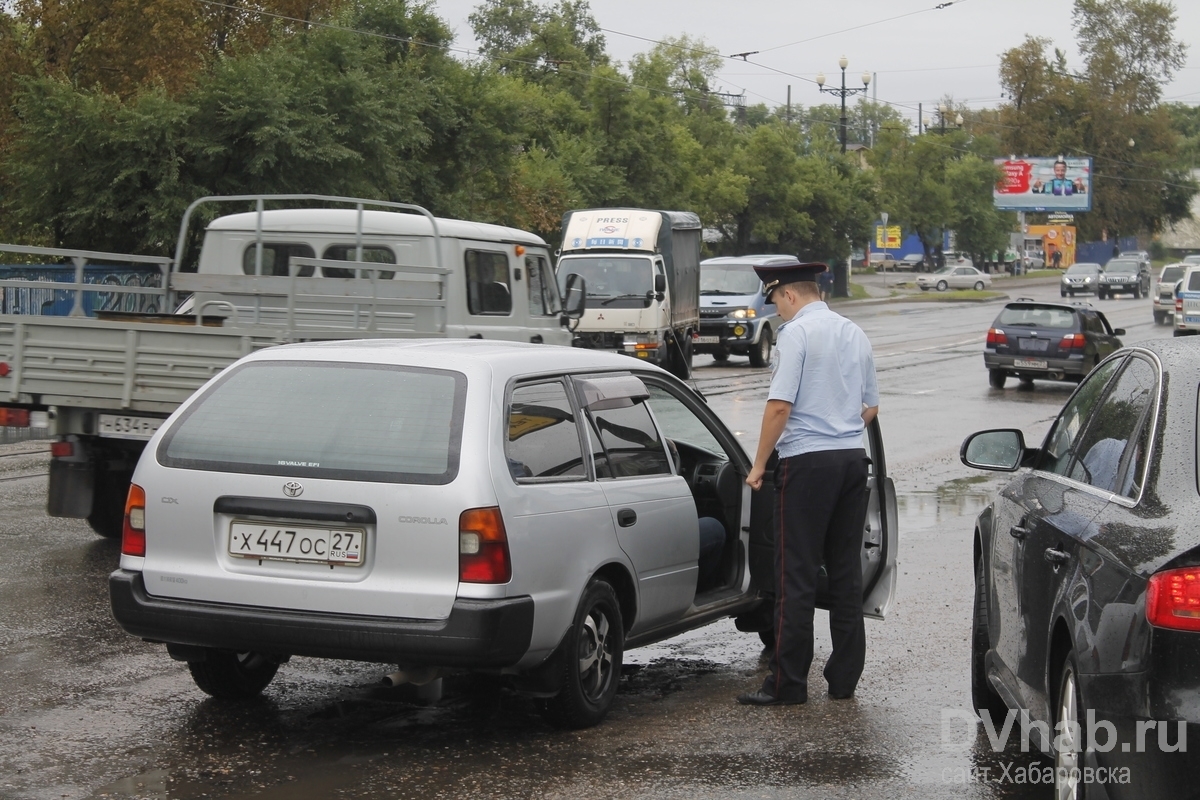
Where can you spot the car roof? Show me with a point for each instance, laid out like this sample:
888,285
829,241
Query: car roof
1085,264
503,360
344,221
753,261
1029,302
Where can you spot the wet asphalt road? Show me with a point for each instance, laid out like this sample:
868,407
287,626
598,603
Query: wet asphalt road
87,711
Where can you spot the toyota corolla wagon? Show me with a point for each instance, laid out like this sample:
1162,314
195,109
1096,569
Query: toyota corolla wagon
451,505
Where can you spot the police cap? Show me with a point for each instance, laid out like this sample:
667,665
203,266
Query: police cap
776,275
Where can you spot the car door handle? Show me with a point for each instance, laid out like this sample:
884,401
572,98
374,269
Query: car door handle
626,517
1056,557
1018,532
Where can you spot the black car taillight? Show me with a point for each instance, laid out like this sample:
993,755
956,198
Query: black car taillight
996,337
1071,341
1173,599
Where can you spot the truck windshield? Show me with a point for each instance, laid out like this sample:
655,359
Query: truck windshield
615,282
736,279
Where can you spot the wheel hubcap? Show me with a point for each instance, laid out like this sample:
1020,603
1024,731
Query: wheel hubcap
595,655
1066,757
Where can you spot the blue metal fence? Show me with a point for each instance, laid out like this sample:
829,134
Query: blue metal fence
1101,252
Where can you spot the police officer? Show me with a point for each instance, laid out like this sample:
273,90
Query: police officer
823,393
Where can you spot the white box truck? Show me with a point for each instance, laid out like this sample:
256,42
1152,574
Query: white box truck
642,272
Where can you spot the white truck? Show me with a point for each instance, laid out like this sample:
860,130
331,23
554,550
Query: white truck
271,276
642,273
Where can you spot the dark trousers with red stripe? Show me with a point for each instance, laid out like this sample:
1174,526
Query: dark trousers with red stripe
820,511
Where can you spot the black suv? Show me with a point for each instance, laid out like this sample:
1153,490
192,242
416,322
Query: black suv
1123,274
1060,341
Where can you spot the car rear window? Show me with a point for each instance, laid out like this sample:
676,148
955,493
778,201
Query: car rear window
1194,282
1171,274
1122,267
325,420
1037,317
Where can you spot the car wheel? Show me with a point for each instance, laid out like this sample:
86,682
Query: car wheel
924,288
1026,382
997,377
1062,292
1068,734
108,502
979,286
982,694
1101,294
721,354
942,286
592,666
233,676
679,360
1137,292
760,354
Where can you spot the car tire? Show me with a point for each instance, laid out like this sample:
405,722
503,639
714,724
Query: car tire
997,377
592,662
983,696
109,493
233,676
1026,382
1068,704
760,354
1062,292
979,286
1102,295
1137,292
721,354
679,360
942,286
924,288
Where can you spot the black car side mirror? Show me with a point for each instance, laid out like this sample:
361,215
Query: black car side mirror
660,283
1118,331
574,296
1002,450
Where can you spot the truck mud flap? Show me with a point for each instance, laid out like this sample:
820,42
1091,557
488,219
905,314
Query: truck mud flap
72,485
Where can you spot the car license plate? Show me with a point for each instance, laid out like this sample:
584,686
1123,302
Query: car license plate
1029,363
120,427
1191,320
708,340
280,542
1035,345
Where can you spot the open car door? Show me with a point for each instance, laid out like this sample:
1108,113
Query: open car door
880,540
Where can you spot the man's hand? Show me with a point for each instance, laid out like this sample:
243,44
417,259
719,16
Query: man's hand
755,479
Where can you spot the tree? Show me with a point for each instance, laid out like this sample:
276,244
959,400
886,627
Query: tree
555,44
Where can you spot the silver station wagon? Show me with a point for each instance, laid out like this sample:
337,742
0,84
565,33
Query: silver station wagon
448,506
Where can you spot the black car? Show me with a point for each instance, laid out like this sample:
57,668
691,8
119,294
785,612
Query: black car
1087,574
1034,339
1125,275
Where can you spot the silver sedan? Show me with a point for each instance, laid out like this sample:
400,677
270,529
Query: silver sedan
955,278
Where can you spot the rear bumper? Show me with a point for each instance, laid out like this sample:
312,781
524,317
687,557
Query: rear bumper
478,634
1066,366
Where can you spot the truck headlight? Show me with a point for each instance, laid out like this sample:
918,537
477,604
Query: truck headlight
743,313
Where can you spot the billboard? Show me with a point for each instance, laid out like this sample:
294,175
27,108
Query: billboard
889,242
1044,184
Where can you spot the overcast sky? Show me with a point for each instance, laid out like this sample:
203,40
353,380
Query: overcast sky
916,53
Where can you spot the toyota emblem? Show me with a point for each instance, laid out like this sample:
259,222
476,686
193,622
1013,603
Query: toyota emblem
293,489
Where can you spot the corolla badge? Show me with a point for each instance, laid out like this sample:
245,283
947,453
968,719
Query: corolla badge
293,489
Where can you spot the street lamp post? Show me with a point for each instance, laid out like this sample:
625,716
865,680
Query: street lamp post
843,92
944,111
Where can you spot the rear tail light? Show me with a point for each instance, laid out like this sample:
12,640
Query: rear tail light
133,535
1073,341
1173,599
1179,305
14,417
483,547
62,449
996,337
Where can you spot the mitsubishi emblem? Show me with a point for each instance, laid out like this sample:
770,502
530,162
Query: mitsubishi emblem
293,489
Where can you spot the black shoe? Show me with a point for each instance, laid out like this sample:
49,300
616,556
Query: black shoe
761,698
839,696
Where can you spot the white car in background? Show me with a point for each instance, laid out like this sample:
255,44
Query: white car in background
955,277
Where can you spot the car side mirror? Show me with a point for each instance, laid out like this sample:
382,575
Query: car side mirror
574,296
1001,450
660,283
1118,331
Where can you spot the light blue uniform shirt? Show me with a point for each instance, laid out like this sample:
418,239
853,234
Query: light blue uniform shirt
823,367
